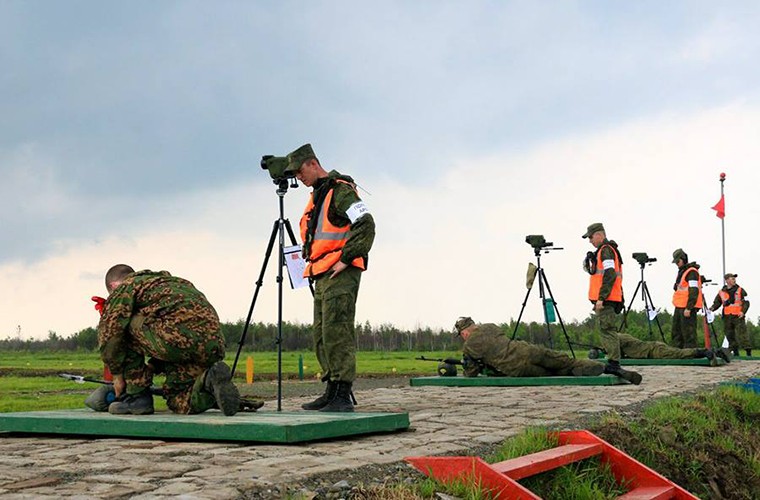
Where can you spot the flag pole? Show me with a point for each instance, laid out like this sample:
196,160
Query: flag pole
723,225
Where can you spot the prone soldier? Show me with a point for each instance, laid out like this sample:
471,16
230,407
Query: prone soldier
486,347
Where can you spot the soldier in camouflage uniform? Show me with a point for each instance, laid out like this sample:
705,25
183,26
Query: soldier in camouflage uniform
337,232
633,348
487,347
687,300
166,318
733,299
605,268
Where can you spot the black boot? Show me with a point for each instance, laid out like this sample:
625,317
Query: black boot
749,352
133,404
709,354
723,354
341,400
218,382
322,400
735,351
614,368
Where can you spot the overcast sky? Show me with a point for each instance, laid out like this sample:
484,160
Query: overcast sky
132,132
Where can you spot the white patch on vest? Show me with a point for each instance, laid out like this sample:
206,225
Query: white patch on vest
356,211
608,264
693,284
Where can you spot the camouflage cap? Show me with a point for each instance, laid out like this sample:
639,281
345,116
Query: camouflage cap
297,157
730,275
679,254
593,228
462,323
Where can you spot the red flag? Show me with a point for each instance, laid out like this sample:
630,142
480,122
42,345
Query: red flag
720,207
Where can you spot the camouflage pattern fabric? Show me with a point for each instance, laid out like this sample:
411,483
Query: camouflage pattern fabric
735,329
606,320
165,317
633,348
514,358
333,328
362,232
684,331
608,281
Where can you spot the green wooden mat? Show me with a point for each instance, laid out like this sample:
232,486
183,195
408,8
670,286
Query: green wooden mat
747,358
515,381
269,427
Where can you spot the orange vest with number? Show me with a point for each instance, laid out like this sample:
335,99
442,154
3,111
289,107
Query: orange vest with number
596,279
328,242
681,295
735,308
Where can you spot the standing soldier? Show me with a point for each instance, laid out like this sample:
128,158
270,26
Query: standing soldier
605,291
687,299
733,299
165,317
337,232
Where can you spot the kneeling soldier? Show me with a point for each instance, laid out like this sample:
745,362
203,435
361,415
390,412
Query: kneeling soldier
165,317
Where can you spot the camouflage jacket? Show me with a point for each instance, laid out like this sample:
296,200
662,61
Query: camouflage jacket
362,232
718,302
154,296
691,276
486,347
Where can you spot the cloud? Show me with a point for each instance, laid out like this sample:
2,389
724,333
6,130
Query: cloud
453,246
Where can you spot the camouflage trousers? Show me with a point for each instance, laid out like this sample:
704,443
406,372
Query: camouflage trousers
333,328
735,329
684,331
181,350
633,348
529,360
606,322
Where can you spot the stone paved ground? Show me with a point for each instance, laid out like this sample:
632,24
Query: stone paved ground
444,420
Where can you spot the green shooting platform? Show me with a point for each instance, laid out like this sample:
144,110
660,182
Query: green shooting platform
261,427
515,381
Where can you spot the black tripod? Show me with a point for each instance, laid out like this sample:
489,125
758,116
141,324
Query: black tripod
278,230
543,283
648,304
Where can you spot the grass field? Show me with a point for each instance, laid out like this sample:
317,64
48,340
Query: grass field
28,381
368,363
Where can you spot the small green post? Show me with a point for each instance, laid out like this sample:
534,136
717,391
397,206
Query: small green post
300,367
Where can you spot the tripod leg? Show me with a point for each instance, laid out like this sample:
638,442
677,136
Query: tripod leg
541,293
559,316
630,304
656,319
259,282
522,310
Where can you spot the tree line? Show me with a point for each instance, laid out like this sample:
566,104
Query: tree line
387,337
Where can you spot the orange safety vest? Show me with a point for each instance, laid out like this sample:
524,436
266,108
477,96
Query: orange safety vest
327,246
596,279
681,295
734,308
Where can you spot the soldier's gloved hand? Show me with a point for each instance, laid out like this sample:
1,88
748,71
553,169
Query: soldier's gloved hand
100,303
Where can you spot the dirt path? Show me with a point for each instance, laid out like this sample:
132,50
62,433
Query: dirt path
444,420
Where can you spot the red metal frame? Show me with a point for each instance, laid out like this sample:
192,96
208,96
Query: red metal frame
500,479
